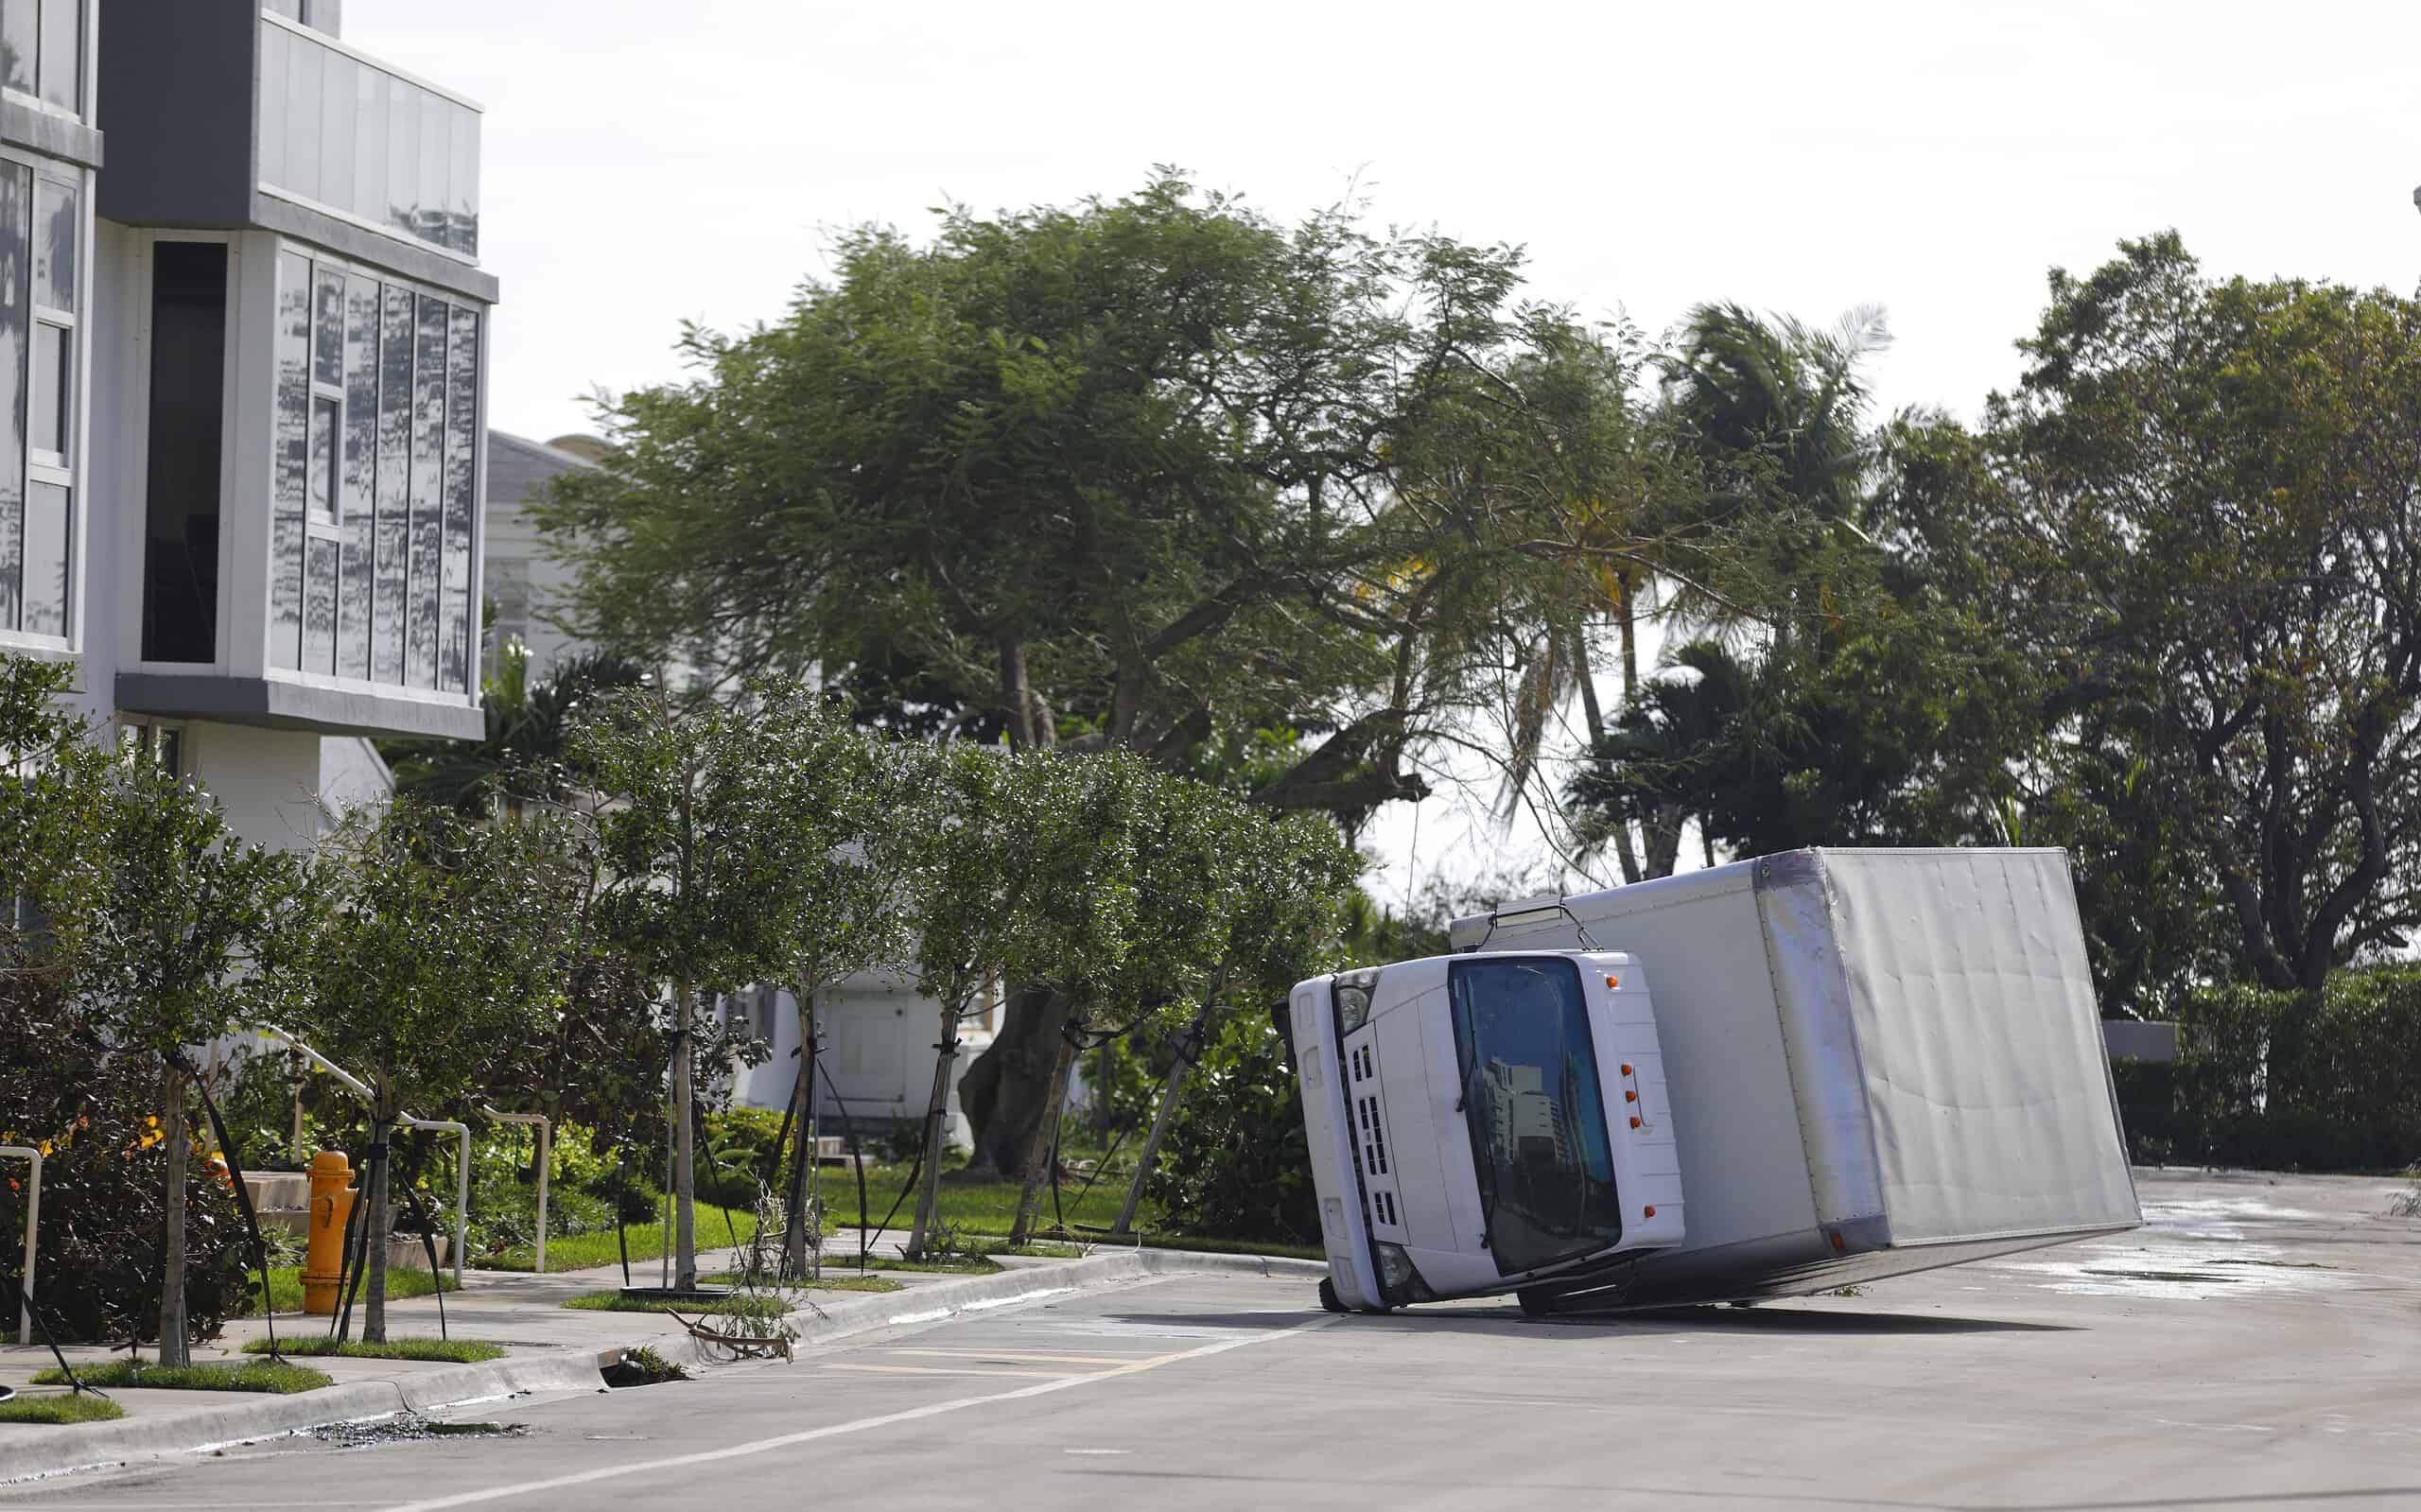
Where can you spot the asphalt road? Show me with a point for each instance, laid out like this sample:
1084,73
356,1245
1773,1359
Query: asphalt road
2257,1346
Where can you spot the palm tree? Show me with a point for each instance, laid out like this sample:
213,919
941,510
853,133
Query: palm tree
528,731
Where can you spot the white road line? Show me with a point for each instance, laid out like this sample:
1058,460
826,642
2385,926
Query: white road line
764,1446
1031,1357
944,1370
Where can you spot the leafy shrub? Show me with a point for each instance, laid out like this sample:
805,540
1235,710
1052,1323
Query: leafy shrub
95,1113
1235,1164
2291,1080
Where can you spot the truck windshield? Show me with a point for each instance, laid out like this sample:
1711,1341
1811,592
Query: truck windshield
1538,1121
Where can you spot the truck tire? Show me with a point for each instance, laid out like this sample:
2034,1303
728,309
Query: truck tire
1328,1297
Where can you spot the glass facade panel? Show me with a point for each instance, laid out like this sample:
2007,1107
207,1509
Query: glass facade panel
369,146
20,41
428,483
291,465
324,423
277,68
358,508
47,402
339,104
304,72
55,223
48,537
459,630
354,138
63,52
391,532
15,337
189,403
328,329
402,183
319,607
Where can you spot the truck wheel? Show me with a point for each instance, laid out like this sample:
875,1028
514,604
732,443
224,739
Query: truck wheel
1328,1297
1537,1303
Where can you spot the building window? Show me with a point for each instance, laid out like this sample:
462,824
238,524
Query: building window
39,271
162,743
376,447
41,51
188,407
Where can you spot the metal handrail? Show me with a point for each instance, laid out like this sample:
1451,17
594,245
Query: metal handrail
460,1131
546,1137
33,1233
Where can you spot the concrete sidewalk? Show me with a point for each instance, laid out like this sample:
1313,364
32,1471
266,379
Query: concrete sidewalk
550,1349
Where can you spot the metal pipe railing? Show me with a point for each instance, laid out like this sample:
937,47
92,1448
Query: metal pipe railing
462,1133
33,1234
545,1163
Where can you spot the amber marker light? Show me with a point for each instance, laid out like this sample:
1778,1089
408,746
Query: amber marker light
1612,982
1634,1121
1651,1210
1630,1097
1625,1070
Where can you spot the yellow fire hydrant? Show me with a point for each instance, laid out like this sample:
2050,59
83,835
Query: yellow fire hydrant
332,1196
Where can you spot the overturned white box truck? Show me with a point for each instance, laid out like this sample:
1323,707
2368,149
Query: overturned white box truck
1766,1079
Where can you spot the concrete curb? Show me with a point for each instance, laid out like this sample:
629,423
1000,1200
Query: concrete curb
31,1454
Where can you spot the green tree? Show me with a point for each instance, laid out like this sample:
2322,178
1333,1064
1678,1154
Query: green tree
967,890
1254,906
841,804
2206,521
182,940
1141,473
693,840
437,952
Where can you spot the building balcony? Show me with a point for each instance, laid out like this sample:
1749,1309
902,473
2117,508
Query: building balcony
228,114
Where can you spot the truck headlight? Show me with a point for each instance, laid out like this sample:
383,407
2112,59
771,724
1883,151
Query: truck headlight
1354,990
1398,1278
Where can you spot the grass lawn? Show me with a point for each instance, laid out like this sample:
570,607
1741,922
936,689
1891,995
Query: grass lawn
286,1287
460,1351
974,1206
582,1251
831,1282
730,1306
72,1407
253,1375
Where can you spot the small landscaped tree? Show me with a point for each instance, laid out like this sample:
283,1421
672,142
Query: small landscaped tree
833,907
180,940
1271,897
964,890
1095,821
438,951
695,839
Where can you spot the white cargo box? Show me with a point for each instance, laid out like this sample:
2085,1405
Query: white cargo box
1879,1061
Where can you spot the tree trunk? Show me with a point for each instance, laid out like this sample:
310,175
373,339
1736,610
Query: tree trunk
175,1333
1161,1118
378,1223
1626,853
684,1174
1017,694
929,1192
1038,1153
1006,1087
794,1236
1664,839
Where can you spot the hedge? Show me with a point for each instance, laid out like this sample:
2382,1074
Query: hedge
2328,1081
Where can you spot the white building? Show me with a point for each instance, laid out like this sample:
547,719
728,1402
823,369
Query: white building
242,384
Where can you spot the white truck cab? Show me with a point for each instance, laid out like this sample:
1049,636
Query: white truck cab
1482,1123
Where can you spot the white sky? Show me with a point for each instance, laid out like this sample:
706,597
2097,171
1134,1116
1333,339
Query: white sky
647,163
